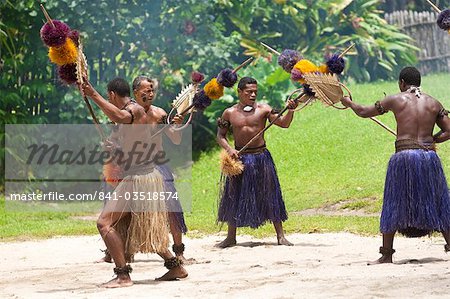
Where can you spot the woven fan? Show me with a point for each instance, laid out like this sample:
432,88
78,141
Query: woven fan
326,87
184,98
329,91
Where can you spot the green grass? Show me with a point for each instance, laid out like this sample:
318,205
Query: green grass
326,156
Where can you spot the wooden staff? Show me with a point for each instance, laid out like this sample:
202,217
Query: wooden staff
434,6
47,16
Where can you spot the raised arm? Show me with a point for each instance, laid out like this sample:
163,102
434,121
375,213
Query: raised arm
223,125
174,135
380,107
113,113
285,120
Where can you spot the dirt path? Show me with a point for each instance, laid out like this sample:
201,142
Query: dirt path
318,266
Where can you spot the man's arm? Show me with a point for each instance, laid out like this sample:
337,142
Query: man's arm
285,120
223,125
380,107
113,113
174,135
443,122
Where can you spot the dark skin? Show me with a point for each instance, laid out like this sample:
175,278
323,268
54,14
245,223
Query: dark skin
245,126
416,118
144,95
109,216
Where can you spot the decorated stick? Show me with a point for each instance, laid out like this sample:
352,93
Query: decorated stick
243,64
270,49
434,6
346,50
47,16
270,124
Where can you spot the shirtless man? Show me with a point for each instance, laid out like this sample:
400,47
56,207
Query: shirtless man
144,92
416,199
121,109
254,197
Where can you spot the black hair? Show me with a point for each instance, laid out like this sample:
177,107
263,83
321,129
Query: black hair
244,81
410,75
119,86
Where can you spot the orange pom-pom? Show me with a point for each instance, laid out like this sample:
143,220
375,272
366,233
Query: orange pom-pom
66,54
324,69
213,89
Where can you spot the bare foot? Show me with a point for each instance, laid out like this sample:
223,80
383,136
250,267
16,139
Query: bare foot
384,259
118,282
226,243
174,274
185,261
106,259
284,241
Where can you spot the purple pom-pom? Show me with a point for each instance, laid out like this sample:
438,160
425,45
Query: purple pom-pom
443,19
197,77
308,91
55,36
74,35
68,73
296,75
336,64
288,58
227,78
201,101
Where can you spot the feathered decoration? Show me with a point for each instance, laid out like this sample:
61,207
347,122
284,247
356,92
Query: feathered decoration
308,91
65,54
302,67
197,77
68,73
288,58
324,69
74,35
443,19
54,34
336,64
201,101
296,75
213,89
227,77
112,173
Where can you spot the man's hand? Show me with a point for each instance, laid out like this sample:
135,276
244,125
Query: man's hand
292,104
87,88
346,101
233,153
178,119
108,145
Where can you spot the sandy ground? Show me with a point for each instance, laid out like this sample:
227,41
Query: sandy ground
318,266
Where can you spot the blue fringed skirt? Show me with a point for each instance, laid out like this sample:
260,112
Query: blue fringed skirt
254,197
416,198
174,206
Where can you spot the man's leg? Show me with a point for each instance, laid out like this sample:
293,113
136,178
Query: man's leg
386,251
446,235
177,235
116,248
174,264
230,239
280,234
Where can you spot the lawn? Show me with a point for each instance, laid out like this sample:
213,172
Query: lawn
326,156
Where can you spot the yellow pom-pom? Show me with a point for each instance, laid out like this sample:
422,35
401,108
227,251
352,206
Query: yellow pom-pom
66,54
213,89
324,69
305,66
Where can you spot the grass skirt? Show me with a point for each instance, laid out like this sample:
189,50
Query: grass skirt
253,197
145,227
416,198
